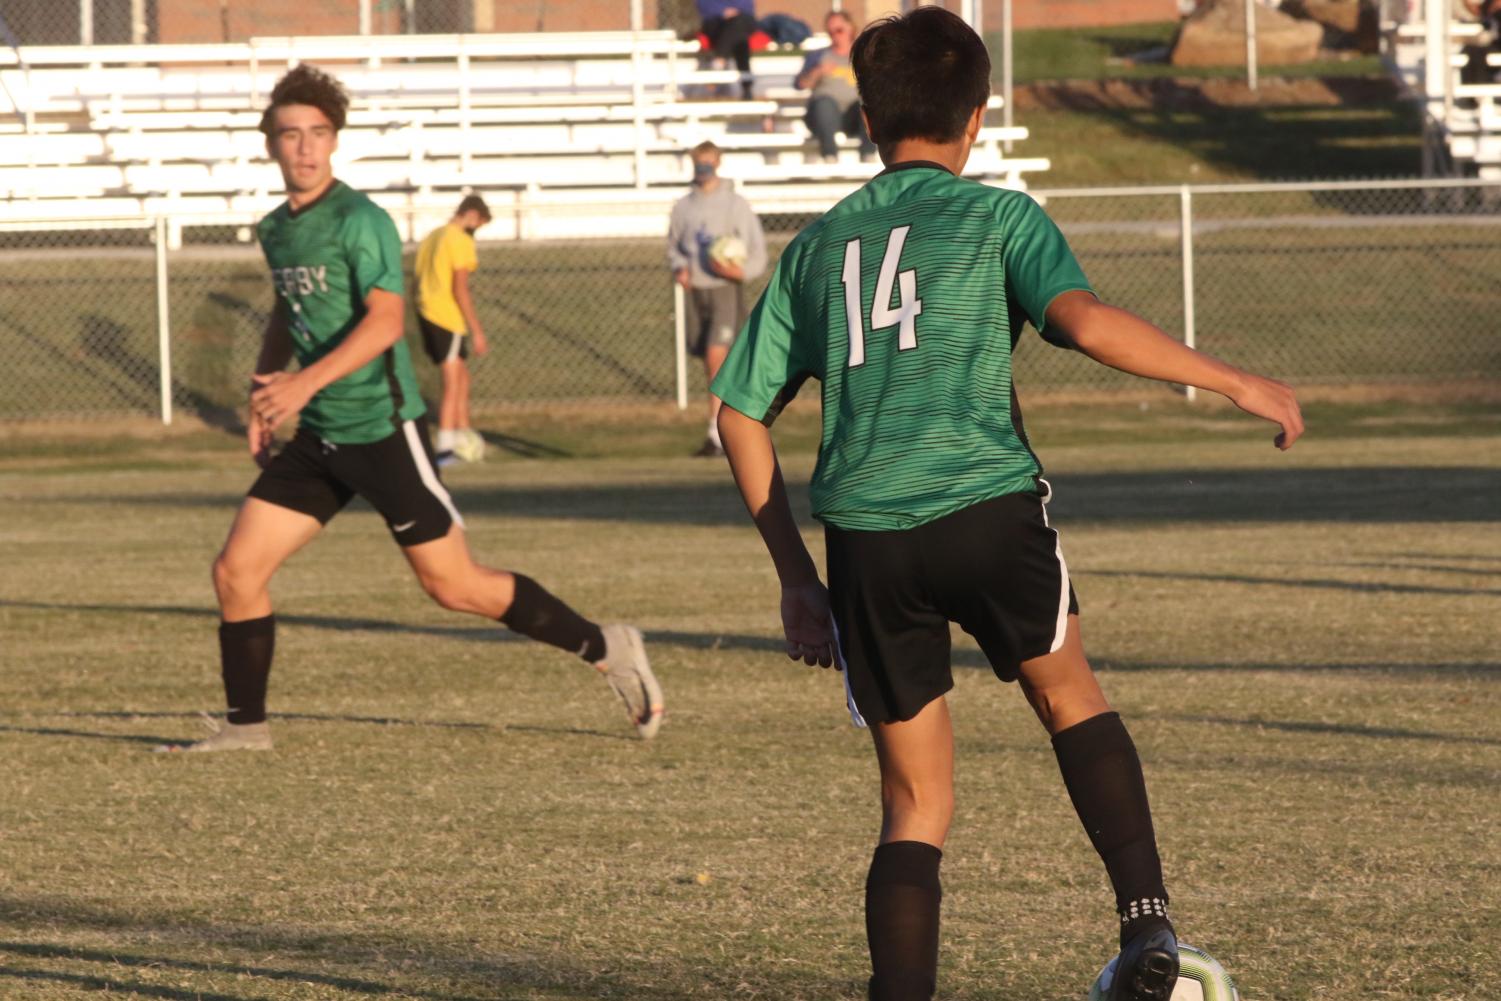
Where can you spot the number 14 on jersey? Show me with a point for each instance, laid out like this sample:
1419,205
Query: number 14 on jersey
904,316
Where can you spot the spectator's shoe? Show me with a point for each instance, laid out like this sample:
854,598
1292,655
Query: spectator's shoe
445,459
1147,968
225,736
710,449
627,670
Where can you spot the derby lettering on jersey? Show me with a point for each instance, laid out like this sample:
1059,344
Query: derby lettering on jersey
300,280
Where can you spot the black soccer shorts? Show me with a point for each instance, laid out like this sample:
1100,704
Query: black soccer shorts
396,475
996,568
441,343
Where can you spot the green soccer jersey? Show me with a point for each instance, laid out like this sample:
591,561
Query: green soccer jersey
325,259
905,300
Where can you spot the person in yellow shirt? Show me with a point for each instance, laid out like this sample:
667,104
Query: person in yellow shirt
445,312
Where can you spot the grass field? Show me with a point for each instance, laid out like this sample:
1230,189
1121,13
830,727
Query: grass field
1305,646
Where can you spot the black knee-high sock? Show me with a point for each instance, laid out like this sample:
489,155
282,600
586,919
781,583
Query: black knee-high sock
1103,775
245,650
902,895
537,614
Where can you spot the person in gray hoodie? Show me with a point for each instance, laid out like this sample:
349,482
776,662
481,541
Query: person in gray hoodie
714,283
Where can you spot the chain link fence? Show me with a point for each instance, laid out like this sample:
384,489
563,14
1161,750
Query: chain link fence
1316,284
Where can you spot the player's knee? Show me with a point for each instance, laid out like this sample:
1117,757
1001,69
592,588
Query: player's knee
228,577
930,803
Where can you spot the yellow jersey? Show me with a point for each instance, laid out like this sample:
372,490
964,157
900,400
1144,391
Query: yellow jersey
443,251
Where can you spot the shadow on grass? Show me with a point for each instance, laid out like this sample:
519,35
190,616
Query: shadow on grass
50,731
1355,495
473,975
1341,729
1359,586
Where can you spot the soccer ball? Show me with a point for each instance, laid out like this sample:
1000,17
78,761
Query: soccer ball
468,445
1200,978
728,250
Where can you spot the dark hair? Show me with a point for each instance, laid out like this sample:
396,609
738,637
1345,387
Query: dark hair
474,203
307,84
921,76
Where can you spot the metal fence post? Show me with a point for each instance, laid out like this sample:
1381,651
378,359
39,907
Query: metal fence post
163,324
680,343
1186,224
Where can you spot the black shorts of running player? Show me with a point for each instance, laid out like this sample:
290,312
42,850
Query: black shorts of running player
995,568
396,475
715,316
441,343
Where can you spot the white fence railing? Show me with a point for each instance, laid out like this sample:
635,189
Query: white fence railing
1333,282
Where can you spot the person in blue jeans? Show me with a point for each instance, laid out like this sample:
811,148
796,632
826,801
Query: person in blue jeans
728,25
835,104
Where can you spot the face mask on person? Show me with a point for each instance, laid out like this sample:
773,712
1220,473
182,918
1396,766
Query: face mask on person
703,171
470,229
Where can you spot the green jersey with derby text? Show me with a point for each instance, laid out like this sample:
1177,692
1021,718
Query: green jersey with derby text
325,258
906,300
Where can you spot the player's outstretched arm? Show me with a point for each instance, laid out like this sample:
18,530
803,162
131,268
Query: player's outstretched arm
805,603
283,394
1125,341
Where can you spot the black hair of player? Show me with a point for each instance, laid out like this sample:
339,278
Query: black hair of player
474,203
307,84
921,76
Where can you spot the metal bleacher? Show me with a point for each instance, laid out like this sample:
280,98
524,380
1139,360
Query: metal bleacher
1462,121
534,121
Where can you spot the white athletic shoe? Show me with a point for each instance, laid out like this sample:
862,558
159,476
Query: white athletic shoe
225,736
627,670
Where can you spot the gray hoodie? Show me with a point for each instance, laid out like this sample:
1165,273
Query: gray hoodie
698,219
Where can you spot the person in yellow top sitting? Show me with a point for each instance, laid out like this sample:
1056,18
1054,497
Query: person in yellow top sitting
445,312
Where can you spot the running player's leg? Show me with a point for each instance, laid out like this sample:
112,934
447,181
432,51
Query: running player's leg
262,538
1103,775
902,890
449,574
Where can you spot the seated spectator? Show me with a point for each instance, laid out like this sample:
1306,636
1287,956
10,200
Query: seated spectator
728,25
835,104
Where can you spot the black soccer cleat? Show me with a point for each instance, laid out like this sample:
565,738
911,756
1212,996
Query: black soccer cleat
1147,968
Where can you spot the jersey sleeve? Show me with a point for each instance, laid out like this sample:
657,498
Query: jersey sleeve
1039,264
373,248
461,254
768,361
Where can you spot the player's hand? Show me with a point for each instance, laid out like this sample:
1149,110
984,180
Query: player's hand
481,346
278,397
258,436
682,277
733,272
808,624
1273,401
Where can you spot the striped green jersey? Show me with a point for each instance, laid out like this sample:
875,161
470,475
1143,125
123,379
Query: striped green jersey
325,258
905,300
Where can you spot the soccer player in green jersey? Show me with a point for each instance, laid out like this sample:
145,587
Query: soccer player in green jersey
905,300
335,260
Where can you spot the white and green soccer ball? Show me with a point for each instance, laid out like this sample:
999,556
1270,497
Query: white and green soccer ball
729,250
468,445
1200,978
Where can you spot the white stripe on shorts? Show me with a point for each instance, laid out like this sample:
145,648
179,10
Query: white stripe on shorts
1061,629
455,342
844,671
425,470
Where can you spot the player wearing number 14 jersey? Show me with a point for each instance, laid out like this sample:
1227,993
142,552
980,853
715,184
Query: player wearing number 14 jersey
336,273
905,301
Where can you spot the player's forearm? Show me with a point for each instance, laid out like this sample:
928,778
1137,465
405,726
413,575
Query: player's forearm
276,347
369,340
753,461
462,296
1124,341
